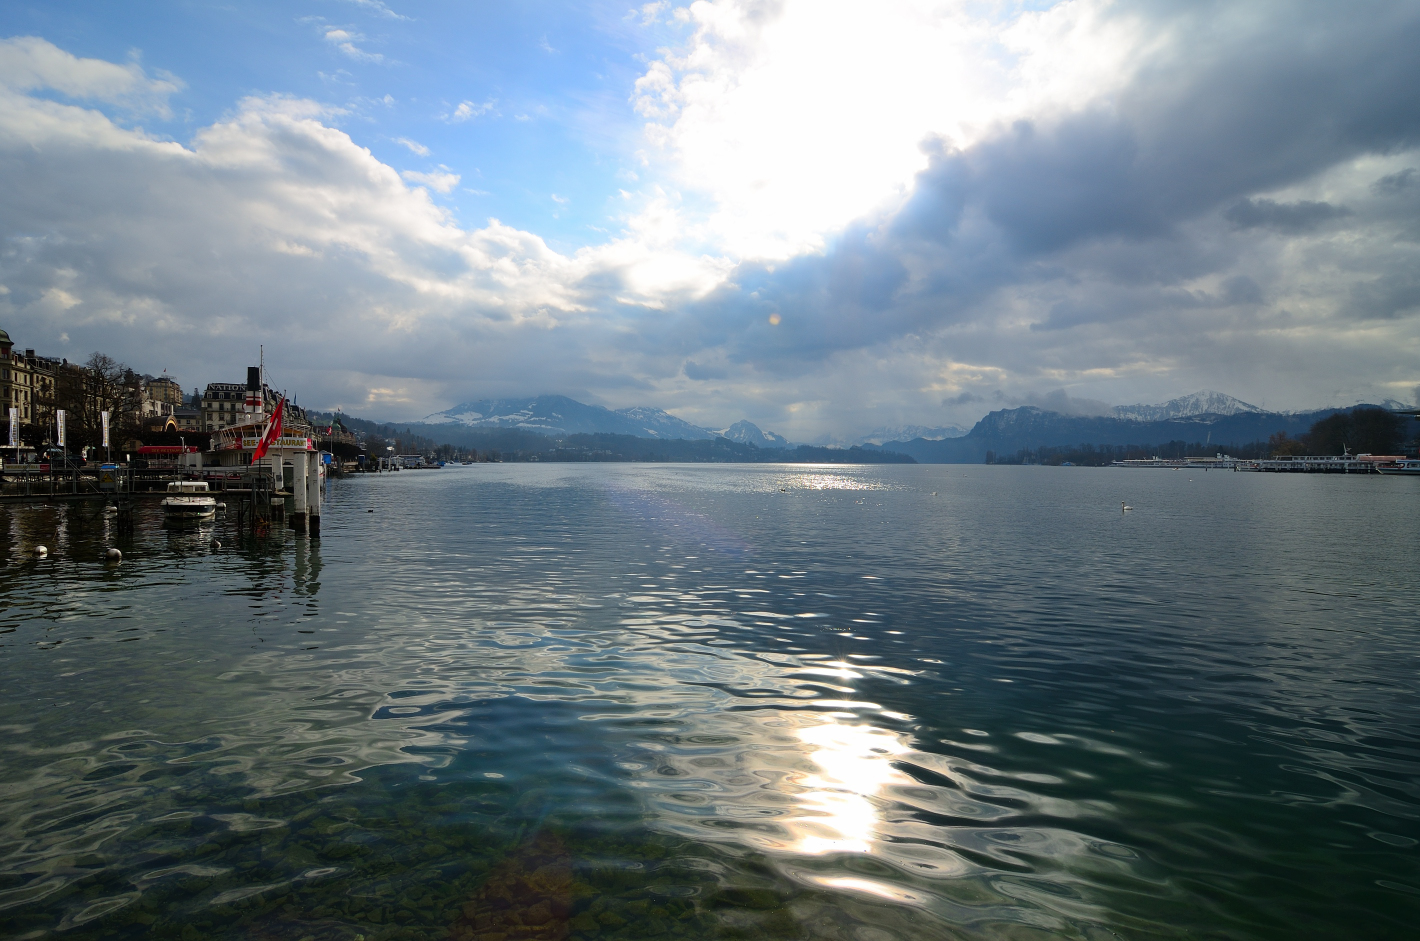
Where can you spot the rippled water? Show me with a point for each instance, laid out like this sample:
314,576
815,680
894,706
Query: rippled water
543,701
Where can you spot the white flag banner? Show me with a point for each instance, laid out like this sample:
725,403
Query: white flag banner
14,427
104,416
59,425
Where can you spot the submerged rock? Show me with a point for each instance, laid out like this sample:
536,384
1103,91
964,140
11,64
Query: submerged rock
527,897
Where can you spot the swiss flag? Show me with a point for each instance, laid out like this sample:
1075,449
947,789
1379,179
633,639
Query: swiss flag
273,431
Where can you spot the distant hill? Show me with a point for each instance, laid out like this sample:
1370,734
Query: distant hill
1009,430
559,415
746,432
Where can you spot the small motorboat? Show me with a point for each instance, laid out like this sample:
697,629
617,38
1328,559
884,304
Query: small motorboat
189,500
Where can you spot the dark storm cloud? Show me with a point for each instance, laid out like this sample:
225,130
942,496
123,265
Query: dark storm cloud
1291,218
1398,182
1391,295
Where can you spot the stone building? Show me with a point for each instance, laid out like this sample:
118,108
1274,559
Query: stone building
16,385
222,405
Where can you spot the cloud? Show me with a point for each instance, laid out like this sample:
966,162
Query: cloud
1398,182
1126,200
467,110
271,223
28,63
378,8
345,41
1062,402
440,182
1292,218
650,12
414,146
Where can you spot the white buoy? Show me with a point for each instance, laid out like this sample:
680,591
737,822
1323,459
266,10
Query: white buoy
41,552
113,555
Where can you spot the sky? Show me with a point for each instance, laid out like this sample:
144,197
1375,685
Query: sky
822,216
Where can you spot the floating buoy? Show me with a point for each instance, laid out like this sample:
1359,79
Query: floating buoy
113,555
41,552
369,511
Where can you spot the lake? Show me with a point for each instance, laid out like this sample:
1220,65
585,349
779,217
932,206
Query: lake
542,701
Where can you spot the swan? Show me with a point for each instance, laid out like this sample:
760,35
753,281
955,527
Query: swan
1124,507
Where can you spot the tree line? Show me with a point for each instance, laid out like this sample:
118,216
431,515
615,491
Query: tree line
84,392
1359,431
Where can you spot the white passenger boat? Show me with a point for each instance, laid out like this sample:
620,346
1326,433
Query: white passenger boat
189,500
1405,468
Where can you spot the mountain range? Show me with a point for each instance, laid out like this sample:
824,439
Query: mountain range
1205,417
559,415
1008,431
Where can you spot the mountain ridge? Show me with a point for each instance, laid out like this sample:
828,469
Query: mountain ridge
1205,402
747,432
560,415
1007,431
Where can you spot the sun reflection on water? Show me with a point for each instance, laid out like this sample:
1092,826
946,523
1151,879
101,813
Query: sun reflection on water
837,811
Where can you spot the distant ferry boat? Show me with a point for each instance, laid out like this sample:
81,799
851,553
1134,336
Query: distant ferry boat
1192,463
1405,468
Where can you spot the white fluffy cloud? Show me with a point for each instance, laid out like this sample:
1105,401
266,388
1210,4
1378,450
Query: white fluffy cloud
28,64
440,181
274,227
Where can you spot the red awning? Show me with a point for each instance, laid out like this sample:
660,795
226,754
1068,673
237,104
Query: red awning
150,450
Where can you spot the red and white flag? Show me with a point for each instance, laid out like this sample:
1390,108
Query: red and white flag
273,431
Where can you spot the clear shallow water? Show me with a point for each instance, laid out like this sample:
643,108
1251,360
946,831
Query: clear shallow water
569,701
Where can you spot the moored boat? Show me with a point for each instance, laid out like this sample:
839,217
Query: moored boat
189,500
1408,467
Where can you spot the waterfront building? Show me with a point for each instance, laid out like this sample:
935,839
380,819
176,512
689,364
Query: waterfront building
16,389
43,372
227,404
222,405
161,397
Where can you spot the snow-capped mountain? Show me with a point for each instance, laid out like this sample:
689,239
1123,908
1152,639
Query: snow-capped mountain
559,415
911,432
879,436
746,432
1199,403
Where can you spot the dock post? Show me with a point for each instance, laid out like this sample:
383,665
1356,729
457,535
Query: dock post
300,466
313,493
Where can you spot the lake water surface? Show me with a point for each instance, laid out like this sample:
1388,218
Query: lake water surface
637,701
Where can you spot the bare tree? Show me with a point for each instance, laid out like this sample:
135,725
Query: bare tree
84,392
